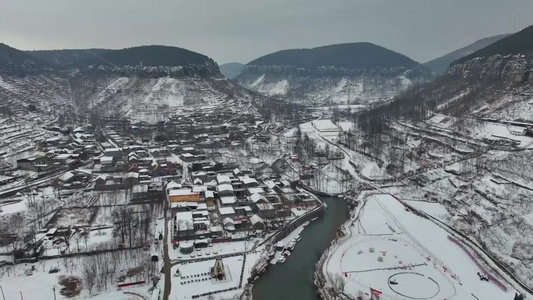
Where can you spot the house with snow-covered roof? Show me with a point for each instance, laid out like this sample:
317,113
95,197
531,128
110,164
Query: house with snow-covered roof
258,199
225,190
249,182
229,224
172,186
226,201
223,179
226,212
257,222
209,198
183,225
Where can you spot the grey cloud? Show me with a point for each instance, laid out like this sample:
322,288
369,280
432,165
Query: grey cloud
238,30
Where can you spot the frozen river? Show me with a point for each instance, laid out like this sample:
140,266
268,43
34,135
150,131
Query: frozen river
294,278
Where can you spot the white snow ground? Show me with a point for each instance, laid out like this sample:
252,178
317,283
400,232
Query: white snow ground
416,254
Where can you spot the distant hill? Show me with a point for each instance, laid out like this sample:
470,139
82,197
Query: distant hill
231,70
441,64
352,55
518,43
16,61
149,84
351,74
68,57
150,56
145,55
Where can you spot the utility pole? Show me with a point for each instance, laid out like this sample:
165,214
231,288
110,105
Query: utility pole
21,298
54,289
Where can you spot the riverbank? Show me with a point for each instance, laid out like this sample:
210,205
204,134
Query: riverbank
294,279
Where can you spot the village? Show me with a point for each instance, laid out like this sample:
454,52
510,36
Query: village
162,202
195,207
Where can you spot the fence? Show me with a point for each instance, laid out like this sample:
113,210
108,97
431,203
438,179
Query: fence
121,285
318,212
474,259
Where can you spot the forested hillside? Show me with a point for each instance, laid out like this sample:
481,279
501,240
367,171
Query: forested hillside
349,56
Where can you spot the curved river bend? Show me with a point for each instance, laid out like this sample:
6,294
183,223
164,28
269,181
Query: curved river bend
294,278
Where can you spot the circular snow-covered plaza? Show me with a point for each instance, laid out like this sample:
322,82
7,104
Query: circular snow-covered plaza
390,264
400,255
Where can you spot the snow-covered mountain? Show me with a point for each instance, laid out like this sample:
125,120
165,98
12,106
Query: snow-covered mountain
148,83
357,73
464,142
493,82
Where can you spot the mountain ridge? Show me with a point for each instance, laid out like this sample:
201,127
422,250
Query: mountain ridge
14,61
66,57
517,43
145,61
440,65
347,55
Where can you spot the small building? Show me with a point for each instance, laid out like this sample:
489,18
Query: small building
226,212
229,224
249,182
515,130
34,163
223,179
106,160
101,179
243,211
183,226
210,198
225,190
183,195
258,199
202,175
173,186
186,247
113,152
131,179
228,201
257,222
255,190
237,172
67,177
266,210
187,157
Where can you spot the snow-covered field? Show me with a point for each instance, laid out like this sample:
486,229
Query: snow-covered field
405,256
40,283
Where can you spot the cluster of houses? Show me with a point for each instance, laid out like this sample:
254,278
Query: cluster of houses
224,205
61,151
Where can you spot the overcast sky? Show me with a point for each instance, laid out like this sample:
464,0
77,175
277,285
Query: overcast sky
239,30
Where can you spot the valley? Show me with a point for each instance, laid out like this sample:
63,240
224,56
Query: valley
349,170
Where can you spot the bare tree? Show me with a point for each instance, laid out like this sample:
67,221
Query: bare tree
338,284
89,273
77,239
15,227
